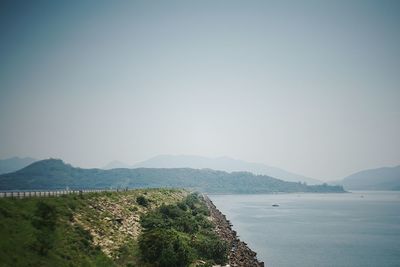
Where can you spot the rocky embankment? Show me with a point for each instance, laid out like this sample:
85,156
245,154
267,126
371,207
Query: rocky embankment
240,255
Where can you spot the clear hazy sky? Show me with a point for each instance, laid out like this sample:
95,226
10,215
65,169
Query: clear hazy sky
309,86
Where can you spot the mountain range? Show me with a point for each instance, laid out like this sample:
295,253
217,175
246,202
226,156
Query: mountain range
385,178
55,174
220,163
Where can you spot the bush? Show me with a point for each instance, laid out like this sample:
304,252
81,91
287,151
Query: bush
44,221
142,201
171,211
211,247
182,206
165,247
45,216
154,220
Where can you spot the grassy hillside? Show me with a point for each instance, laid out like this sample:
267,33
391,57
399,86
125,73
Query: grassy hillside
42,232
54,174
147,227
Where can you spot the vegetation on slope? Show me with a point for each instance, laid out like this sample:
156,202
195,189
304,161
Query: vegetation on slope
41,232
147,227
178,234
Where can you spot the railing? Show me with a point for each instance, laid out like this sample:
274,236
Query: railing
56,193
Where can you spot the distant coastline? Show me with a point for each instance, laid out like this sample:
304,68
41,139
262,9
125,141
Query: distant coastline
55,174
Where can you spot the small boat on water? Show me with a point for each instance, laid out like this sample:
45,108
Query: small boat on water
275,205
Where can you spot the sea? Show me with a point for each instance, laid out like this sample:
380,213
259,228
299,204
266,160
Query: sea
360,228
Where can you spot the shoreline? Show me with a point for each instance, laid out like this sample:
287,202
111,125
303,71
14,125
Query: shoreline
240,255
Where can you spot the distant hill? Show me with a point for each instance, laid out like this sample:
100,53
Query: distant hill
220,163
14,164
55,174
116,165
386,178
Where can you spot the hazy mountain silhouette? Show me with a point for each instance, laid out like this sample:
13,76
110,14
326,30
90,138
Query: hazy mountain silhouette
55,174
116,165
385,178
14,164
223,164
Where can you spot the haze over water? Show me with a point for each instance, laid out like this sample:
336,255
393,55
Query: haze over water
357,229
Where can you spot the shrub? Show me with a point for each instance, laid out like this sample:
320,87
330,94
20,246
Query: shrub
44,221
171,211
165,247
154,220
45,216
142,201
211,247
182,206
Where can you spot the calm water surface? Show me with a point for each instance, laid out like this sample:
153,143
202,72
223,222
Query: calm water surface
354,229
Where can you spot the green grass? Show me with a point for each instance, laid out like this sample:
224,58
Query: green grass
68,244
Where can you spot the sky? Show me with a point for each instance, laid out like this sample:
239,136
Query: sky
312,87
